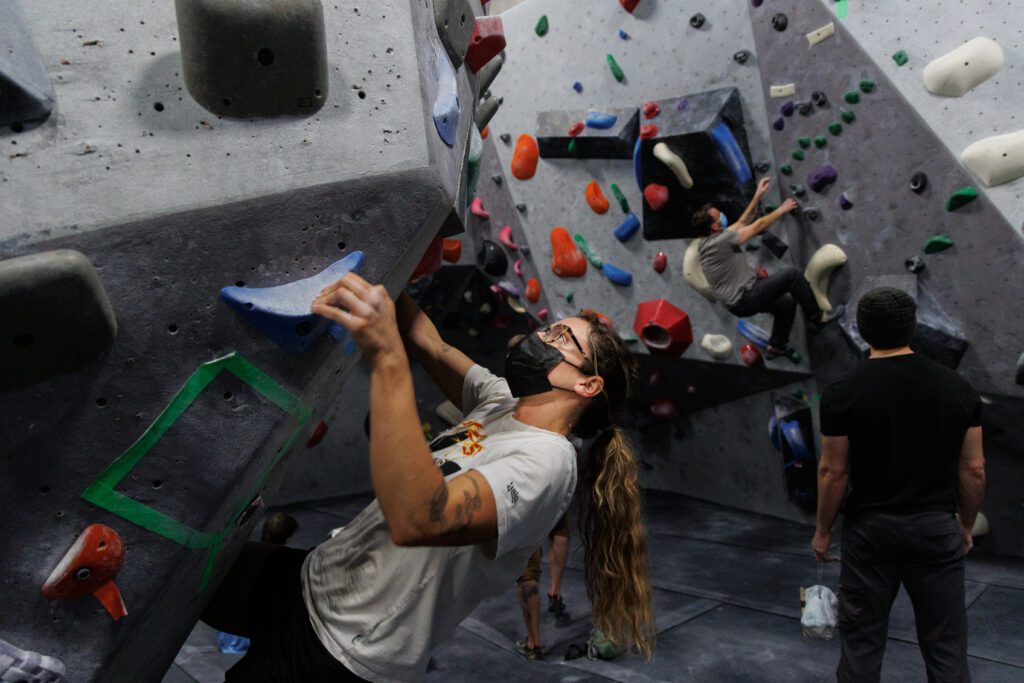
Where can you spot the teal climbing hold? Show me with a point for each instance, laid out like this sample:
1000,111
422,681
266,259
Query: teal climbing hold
937,243
804,141
900,57
820,141
574,148
962,197
848,116
867,85
798,154
835,128
542,25
852,97
616,69
621,198
786,169
585,247
569,296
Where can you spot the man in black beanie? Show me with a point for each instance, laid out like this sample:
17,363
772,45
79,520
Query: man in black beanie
905,433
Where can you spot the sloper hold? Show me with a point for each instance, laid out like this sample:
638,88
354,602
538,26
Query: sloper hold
822,177
618,276
454,21
628,228
89,567
25,665
675,163
282,312
966,67
663,328
718,346
487,41
996,160
492,259
819,268
446,103
694,274
485,77
566,259
25,87
596,200
961,198
486,111
55,316
775,244
524,158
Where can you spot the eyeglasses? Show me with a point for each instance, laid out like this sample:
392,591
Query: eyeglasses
561,334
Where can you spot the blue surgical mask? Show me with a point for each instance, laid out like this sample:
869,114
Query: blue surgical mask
723,220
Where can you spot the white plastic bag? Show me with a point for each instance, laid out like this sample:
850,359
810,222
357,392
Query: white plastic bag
818,611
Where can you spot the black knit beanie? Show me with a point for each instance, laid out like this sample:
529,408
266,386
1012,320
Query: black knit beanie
886,318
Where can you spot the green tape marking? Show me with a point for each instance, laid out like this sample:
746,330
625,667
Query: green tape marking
841,9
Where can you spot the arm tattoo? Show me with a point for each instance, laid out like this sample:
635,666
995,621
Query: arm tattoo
460,519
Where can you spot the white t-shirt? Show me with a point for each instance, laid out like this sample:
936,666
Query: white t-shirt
379,608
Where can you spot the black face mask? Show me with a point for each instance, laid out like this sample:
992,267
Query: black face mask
527,365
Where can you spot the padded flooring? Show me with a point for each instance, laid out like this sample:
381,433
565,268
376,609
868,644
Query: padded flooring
727,598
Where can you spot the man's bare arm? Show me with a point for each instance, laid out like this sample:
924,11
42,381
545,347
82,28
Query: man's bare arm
833,476
970,490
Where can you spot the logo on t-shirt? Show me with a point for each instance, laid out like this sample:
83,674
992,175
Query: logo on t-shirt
470,435
512,492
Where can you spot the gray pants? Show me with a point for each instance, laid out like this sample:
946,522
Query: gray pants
923,551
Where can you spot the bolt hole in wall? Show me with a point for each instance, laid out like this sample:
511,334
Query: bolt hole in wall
265,56
341,246
101,402
157,483
172,328
362,94
159,106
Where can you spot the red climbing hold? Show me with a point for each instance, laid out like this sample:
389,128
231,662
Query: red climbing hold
648,131
566,259
651,109
477,209
532,290
488,40
485,132
656,196
451,250
318,435
629,5
664,409
663,328
505,237
660,262
601,317
524,159
762,273
595,198
431,261
576,128
751,356
89,566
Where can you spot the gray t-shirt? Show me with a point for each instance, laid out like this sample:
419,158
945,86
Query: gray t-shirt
725,266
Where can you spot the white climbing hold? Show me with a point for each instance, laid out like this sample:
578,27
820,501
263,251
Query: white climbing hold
675,164
783,90
998,159
718,345
693,274
819,268
818,35
970,65
981,527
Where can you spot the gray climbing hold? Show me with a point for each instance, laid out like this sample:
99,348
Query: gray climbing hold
797,190
498,179
489,72
811,214
486,111
697,21
26,93
915,264
454,20
805,108
446,104
819,98
521,208
762,166
741,57
506,138
919,182
780,22
56,316
247,59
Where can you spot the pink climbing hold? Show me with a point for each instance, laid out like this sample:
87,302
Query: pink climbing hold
751,356
477,209
542,314
517,267
487,41
660,262
664,409
648,131
576,128
651,109
656,196
505,237
629,5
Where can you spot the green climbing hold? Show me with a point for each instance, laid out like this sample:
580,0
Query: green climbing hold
962,197
591,255
574,148
820,141
867,85
835,128
853,97
569,296
937,243
623,202
770,206
616,69
804,141
752,246
798,154
848,116
786,169
900,57
542,25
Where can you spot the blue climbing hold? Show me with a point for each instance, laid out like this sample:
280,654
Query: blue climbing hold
731,152
627,228
282,312
623,34
752,332
446,103
638,169
622,278
596,119
577,86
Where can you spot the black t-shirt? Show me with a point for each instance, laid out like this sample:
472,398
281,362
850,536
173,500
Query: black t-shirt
906,418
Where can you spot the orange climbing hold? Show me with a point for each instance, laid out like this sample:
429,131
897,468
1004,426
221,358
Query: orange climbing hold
651,109
656,196
532,290
648,131
451,250
595,198
576,128
485,132
90,565
566,259
524,159
487,41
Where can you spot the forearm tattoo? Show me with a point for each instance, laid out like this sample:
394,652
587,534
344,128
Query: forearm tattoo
456,523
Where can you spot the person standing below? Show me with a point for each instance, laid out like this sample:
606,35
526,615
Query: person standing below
736,285
528,589
905,433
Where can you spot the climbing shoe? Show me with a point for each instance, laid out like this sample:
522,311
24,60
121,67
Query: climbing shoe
531,653
835,314
556,605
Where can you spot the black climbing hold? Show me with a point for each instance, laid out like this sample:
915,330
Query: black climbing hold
805,108
506,138
819,98
756,3
780,21
521,208
915,264
797,190
697,20
497,178
918,182
812,214
524,250
779,123
741,57
762,166
492,259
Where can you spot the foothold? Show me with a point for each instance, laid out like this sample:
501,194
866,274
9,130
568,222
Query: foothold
788,108
521,208
660,262
717,345
486,75
847,116
623,34
532,290
664,409
648,131
819,268
524,159
919,182
797,190
510,289
620,198
900,57
576,128
656,196
454,24
823,33
693,274
282,313
498,179
541,29
804,141
506,138
627,228
822,177
515,304
574,148
811,214
566,259
446,103
845,203
505,237
961,198
90,566
675,164
741,57
577,86
697,21
492,259
756,3
487,41
596,119
763,167
618,276
784,90
819,98
835,128
786,169
663,328
966,67
915,264
798,155
596,200
867,85
588,252
820,141
486,111
852,97
996,160
779,123
751,356
937,243
651,109
477,209
451,250
517,267
629,5
780,22
25,665
805,108
616,70
682,105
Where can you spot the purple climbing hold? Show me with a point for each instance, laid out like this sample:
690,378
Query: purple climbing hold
845,203
779,123
682,105
822,177
788,108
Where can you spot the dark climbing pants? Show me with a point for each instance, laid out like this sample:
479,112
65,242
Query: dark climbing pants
923,551
779,295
